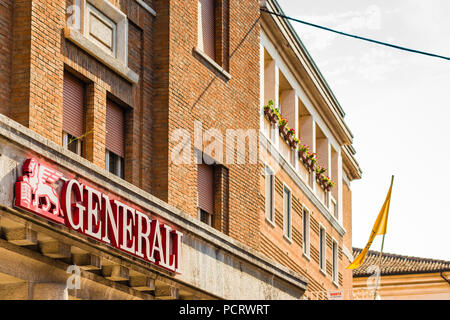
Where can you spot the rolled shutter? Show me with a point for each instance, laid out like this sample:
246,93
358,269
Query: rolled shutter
205,185
115,119
207,28
73,105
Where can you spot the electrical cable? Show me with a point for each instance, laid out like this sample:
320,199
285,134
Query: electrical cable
355,36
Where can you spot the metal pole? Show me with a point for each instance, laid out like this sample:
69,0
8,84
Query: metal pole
379,266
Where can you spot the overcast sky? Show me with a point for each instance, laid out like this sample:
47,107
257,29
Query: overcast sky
397,106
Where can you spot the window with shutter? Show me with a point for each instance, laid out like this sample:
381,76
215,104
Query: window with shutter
205,187
335,262
73,113
287,208
115,138
322,258
306,231
270,186
207,28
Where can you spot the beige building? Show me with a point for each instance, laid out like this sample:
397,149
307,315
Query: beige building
402,277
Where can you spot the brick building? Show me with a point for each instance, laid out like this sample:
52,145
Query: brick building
117,102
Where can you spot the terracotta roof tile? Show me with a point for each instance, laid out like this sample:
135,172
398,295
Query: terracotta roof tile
398,264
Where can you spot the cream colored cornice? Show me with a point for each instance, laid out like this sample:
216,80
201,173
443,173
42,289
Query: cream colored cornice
350,163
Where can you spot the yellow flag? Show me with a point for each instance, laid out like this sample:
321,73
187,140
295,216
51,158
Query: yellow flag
378,228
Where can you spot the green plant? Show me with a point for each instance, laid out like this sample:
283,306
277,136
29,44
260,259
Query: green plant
275,111
303,148
320,169
282,122
328,181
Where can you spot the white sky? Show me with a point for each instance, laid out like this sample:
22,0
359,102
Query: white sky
397,106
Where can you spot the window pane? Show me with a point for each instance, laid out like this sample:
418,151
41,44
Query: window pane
269,193
321,248
306,232
334,261
112,162
287,212
206,27
115,164
205,217
73,144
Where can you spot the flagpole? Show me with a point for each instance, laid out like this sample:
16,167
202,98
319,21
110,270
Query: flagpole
379,257
379,267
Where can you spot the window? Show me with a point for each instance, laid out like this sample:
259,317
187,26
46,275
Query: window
334,208
335,262
270,194
207,27
205,189
287,208
306,232
73,113
114,164
115,118
72,143
322,248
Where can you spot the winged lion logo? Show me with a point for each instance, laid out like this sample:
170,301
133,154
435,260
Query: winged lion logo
34,190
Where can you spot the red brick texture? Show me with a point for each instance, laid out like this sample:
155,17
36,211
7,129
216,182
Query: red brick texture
6,22
188,88
32,65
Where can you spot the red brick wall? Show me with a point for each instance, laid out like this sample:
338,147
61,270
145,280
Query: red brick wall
6,18
347,216
290,253
40,55
196,91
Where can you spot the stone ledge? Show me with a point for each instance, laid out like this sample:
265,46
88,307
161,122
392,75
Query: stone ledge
95,51
212,63
147,7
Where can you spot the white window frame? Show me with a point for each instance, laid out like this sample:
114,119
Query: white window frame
333,203
270,212
287,223
306,228
66,143
335,262
323,249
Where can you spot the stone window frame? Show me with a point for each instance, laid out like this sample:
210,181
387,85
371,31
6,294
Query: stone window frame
335,262
109,11
323,249
306,230
287,213
269,209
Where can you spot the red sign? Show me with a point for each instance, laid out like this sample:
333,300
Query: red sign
94,213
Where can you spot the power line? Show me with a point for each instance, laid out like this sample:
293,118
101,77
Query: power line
355,36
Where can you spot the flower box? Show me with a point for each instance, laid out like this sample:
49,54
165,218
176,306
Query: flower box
283,131
288,137
324,182
270,115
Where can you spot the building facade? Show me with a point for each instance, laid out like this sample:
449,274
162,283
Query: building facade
125,170
402,277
